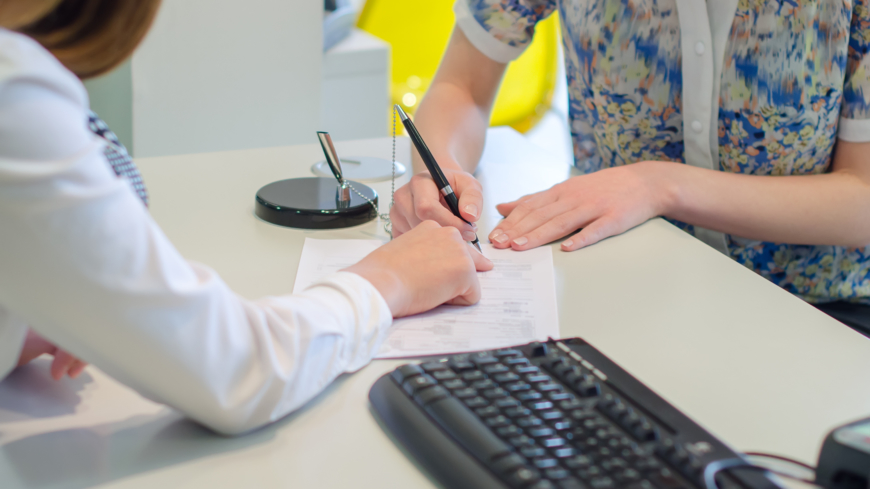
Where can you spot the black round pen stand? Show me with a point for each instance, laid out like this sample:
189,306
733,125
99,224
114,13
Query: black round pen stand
310,203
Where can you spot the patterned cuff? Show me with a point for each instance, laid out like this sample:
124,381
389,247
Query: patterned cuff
854,130
481,39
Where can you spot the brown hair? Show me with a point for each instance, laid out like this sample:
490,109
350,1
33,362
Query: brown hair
90,37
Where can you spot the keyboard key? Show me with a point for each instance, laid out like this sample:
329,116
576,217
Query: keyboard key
517,412
642,484
495,369
602,483
578,462
551,414
545,463
517,361
434,367
553,442
665,479
522,441
517,387
524,476
497,421
507,352
556,474
529,421
496,393
508,463
506,377
454,384
613,464
560,396
529,396
483,359
444,375
571,483
488,411
564,452
588,389
507,402
461,366
484,384
475,402
540,405
549,386
473,376
645,431
590,473
562,424
418,382
509,431
431,394
648,464
571,404
538,378
466,392
460,423
526,369
405,372
540,431
627,475
533,451
542,484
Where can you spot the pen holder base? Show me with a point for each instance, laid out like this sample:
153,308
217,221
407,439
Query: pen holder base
310,203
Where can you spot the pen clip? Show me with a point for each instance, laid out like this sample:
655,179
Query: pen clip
331,155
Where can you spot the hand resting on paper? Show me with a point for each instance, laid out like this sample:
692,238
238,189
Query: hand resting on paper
427,266
63,363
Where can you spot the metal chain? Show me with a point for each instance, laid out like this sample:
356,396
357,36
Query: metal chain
388,225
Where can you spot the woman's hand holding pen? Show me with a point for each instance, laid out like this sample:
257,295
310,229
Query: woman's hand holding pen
420,200
604,204
424,268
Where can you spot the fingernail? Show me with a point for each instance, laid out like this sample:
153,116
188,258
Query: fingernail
568,244
471,209
474,226
521,241
468,236
500,238
494,233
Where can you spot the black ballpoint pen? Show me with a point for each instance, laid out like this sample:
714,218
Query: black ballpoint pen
434,169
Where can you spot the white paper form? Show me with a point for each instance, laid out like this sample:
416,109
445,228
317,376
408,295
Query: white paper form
518,301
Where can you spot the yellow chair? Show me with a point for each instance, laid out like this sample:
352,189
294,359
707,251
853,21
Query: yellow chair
418,32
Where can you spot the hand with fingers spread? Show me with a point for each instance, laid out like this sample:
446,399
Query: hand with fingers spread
63,363
428,266
420,200
603,204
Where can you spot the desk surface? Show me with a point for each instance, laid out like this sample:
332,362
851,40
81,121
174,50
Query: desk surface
756,366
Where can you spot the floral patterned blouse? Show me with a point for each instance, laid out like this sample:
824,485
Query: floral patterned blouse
763,87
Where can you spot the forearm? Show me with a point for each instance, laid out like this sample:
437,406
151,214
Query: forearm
825,209
453,125
454,114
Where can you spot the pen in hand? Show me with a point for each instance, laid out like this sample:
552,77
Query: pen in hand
434,170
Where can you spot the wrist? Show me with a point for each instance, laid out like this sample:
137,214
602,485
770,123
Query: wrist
665,187
387,284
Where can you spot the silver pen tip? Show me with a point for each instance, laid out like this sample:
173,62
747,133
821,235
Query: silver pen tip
402,114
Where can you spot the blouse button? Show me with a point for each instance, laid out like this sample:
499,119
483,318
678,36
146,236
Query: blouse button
696,126
699,48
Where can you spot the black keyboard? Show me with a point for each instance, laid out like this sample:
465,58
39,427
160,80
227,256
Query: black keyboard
546,415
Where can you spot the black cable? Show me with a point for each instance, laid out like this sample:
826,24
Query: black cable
780,457
714,468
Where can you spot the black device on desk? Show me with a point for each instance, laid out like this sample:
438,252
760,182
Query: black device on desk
844,462
558,414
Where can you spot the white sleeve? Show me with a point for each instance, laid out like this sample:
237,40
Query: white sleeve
83,264
12,334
